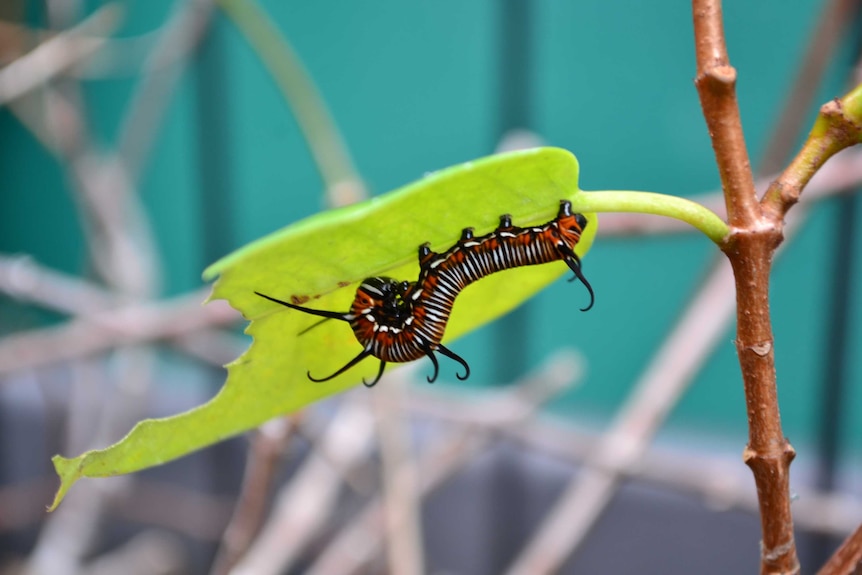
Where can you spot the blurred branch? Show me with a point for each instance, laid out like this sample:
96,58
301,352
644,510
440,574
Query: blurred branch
267,448
343,184
26,280
145,553
170,506
123,252
847,560
399,482
655,393
359,542
718,481
106,330
162,69
55,55
308,500
827,36
658,389
173,319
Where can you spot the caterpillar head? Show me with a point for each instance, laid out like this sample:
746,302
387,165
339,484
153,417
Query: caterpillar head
381,295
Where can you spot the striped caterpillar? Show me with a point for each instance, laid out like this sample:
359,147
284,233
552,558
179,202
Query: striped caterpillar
399,321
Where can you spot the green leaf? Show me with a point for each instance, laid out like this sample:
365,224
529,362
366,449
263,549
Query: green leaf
321,260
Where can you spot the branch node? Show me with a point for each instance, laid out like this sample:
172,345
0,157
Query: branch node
725,74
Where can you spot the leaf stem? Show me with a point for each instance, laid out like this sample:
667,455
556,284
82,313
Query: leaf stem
838,126
682,209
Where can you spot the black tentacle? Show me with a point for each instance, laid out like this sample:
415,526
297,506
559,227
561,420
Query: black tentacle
314,325
574,262
320,312
376,379
430,353
362,355
452,355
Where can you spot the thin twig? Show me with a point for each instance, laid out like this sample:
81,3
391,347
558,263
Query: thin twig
841,175
107,330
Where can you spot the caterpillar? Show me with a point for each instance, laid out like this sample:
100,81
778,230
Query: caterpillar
400,321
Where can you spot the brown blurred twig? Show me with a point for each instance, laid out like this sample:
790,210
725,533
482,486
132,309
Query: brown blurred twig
303,505
653,396
399,482
826,38
717,480
53,56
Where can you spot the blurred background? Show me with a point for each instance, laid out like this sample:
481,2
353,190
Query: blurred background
141,141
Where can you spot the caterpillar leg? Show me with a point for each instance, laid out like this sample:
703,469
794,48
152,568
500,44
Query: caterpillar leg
376,379
430,353
452,355
448,353
362,355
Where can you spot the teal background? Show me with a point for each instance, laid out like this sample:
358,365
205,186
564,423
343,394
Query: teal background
414,87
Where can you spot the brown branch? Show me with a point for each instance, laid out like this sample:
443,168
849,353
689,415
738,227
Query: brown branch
716,85
847,560
750,247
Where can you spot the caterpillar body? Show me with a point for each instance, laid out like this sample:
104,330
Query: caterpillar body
399,321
